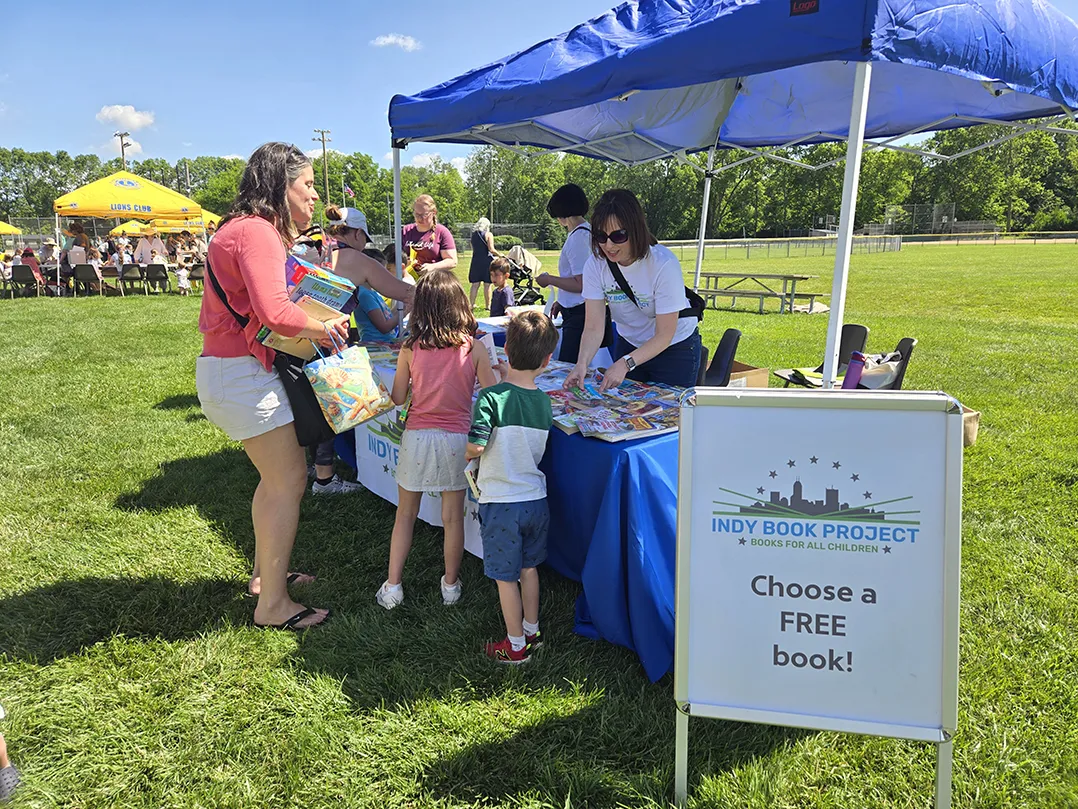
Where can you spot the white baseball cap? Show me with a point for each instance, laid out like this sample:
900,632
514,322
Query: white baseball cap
351,218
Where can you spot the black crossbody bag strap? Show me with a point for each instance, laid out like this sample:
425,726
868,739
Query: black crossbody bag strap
615,270
243,321
696,303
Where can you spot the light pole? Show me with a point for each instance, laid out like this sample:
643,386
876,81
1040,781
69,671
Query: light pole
123,146
325,163
389,211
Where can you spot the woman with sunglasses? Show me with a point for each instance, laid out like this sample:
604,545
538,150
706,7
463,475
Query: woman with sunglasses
642,283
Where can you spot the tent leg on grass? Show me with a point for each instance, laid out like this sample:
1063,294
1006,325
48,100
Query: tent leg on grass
855,144
396,224
703,218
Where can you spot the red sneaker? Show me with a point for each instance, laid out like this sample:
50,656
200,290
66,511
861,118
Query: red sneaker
502,652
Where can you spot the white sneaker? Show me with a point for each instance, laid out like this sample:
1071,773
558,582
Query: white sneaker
389,597
450,594
336,486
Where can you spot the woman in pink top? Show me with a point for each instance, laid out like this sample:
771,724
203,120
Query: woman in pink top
237,385
440,362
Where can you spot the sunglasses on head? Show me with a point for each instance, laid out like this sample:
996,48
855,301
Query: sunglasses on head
617,237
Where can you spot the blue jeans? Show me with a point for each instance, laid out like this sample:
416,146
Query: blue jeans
677,365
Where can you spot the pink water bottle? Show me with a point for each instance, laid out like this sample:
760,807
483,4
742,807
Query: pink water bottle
853,371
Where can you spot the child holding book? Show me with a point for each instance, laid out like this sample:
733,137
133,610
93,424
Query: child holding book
510,425
502,296
439,363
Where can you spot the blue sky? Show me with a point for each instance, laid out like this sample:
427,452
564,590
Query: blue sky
221,78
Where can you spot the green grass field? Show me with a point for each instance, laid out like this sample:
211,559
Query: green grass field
133,677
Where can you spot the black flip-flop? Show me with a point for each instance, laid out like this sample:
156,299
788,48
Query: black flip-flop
292,579
9,782
295,619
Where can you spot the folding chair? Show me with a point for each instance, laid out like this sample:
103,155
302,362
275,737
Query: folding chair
156,275
22,277
86,275
853,338
905,349
197,275
110,273
132,274
722,364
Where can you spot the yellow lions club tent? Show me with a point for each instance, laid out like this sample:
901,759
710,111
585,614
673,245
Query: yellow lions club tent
126,194
9,230
194,225
132,228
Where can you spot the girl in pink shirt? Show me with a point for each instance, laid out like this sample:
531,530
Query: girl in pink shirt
439,362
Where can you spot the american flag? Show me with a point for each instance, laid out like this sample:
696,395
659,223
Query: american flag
348,190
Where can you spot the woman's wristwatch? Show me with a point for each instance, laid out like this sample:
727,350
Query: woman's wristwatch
630,363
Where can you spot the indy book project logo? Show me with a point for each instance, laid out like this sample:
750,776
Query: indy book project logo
816,505
788,512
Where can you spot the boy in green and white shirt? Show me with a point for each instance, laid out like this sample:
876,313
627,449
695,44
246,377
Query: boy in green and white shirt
510,425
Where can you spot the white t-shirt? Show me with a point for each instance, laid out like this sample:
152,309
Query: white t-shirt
658,285
574,255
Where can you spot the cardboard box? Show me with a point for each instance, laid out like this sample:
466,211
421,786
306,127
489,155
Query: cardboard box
971,420
747,376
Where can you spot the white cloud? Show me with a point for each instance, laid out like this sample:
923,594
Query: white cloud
113,147
187,143
458,164
3,109
424,159
233,157
402,41
387,158
125,116
317,152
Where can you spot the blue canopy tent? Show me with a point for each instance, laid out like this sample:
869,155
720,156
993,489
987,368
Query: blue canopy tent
654,79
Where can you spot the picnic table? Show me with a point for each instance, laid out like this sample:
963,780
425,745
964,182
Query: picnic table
761,286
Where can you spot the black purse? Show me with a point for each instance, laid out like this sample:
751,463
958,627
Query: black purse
696,303
307,417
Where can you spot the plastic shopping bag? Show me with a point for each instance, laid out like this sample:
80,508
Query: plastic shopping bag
347,388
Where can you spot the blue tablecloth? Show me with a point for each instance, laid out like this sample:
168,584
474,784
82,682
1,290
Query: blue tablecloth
613,511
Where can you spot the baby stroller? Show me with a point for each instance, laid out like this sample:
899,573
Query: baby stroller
522,266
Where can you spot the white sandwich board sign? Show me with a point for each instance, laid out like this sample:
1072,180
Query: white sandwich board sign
818,563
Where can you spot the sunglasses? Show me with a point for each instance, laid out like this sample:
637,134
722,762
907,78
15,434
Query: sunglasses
617,237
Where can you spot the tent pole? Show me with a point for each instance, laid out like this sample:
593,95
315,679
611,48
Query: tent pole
59,243
854,147
703,218
397,224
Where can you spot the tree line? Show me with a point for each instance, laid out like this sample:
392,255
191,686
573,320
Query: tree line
1029,182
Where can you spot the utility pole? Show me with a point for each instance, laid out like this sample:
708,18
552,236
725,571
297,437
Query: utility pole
389,211
123,146
492,184
187,172
325,163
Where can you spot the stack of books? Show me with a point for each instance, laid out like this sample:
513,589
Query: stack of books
321,294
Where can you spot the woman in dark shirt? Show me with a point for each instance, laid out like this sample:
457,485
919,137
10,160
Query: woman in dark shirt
482,252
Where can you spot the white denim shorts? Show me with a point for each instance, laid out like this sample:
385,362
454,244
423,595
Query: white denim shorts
241,397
